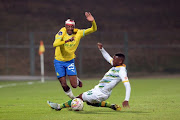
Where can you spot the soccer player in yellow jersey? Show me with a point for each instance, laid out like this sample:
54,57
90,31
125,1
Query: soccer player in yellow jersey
66,43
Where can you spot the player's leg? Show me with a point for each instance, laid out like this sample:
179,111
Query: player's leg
96,98
92,98
66,88
57,106
52,105
72,74
75,81
105,104
100,104
61,75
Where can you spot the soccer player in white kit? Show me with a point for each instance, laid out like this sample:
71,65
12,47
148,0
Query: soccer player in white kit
102,91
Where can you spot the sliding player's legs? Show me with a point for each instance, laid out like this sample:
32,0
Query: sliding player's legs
93,97
96,98
67,104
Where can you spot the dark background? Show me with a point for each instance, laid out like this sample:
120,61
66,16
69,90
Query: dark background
114,15
151,27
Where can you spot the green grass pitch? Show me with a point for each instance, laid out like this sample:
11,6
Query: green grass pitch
151,99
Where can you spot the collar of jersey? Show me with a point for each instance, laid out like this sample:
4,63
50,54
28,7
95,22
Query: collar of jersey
123,65
69,35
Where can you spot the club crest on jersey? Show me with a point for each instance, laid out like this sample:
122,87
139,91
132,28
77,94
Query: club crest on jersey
59,33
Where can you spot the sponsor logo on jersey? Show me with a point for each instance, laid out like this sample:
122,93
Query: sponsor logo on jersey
69,45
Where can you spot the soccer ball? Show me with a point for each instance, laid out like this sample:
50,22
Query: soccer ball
77,104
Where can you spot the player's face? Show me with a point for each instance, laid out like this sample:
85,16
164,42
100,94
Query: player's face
69,29
116,61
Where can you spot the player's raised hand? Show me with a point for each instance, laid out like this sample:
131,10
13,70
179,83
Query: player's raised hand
99,45
89,17
125,104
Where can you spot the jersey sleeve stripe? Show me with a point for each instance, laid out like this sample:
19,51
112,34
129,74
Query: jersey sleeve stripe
83,33
125,81
58,38
111,60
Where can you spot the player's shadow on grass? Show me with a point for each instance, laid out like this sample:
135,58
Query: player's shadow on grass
139,112
110,112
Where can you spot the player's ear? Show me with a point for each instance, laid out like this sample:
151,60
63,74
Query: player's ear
120,61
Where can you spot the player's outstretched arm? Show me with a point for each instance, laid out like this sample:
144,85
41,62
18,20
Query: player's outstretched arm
124,78
91,19
104,53
128,92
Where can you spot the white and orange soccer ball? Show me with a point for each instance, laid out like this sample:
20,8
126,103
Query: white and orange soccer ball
77,104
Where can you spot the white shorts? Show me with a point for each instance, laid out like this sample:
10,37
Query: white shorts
94,96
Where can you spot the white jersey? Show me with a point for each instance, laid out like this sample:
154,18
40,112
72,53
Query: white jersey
102,91
112,78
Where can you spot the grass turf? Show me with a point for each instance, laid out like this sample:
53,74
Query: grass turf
150,99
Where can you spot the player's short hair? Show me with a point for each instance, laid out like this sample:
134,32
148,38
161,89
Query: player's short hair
69,22
120,55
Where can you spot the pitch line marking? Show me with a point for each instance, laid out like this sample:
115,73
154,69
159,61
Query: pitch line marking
15,84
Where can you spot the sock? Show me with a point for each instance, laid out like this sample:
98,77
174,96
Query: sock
77,81
104,104
66,104
101,104
70,94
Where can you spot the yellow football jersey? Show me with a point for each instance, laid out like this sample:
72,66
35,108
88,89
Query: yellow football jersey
65,51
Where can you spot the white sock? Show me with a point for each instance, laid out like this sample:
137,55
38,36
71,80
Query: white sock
59,106
77,81
70,94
